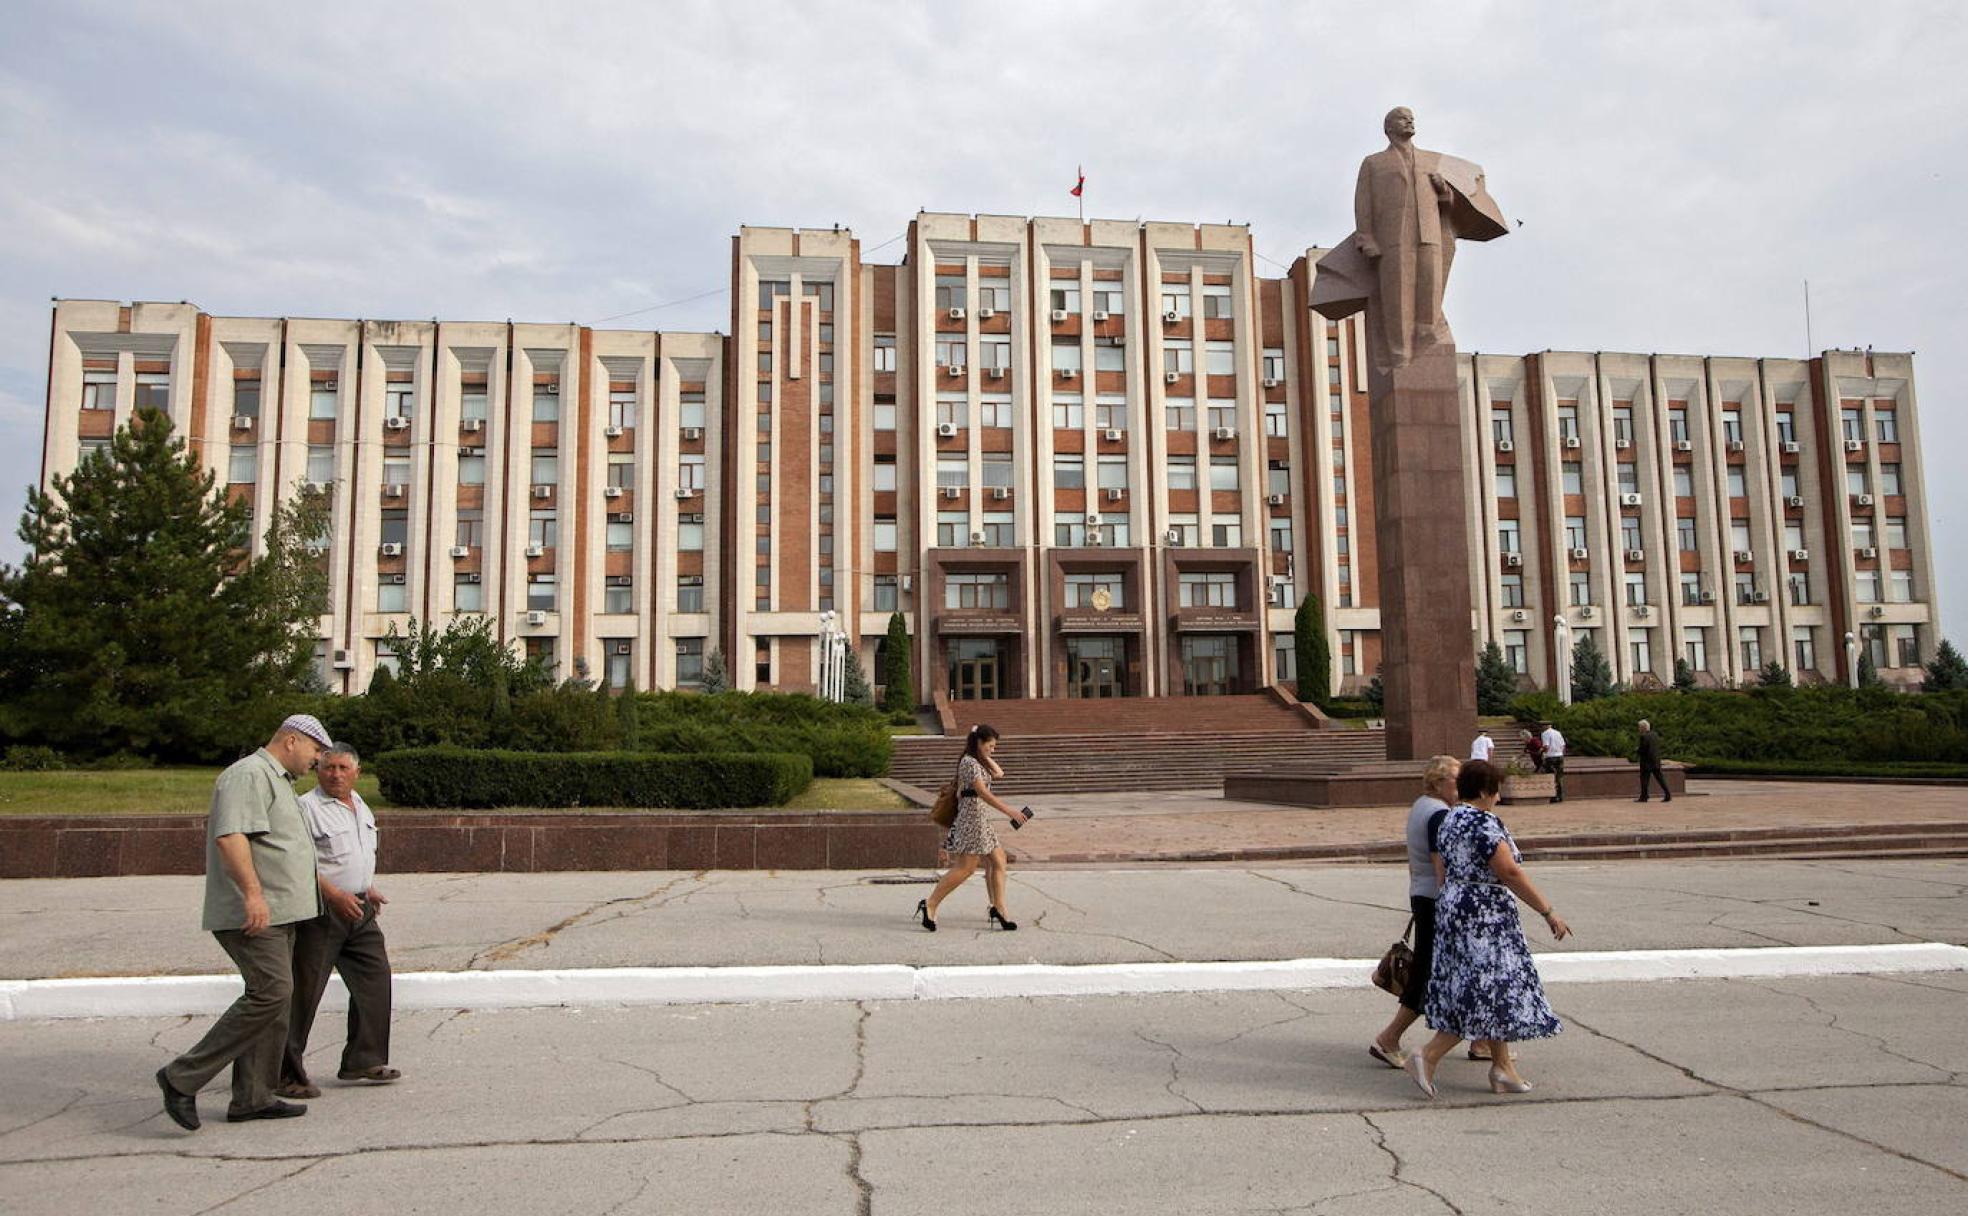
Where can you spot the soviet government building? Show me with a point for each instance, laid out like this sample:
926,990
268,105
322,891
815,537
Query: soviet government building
1082,460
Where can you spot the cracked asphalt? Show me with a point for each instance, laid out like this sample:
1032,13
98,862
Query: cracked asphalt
1832,1095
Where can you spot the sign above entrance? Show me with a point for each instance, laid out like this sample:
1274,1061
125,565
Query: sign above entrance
1188,621
960,622
1094,622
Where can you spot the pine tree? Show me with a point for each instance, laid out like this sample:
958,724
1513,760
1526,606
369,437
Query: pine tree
1868,674
1947,671
854,682
140,622
715,678
1496,681
1592,676
1774,675
1313,653
898,691
627,719
1684,676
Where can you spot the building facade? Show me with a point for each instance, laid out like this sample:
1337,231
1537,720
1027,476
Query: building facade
1082,460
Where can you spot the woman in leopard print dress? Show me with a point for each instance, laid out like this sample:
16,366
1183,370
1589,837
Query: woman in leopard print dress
972,841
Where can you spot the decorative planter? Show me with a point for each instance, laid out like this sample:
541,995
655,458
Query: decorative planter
1530,787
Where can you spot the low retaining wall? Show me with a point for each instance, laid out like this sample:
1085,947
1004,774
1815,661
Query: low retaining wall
1396,783
100,846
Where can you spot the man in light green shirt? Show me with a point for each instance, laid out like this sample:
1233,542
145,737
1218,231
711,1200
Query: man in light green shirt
259,883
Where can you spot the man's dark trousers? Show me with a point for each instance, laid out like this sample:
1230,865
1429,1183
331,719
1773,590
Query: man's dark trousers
329,944
1650,763
252,1032
1555,765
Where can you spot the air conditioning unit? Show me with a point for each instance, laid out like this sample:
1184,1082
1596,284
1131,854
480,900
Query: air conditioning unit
1171,316
1069,373
1735,445
985,314
1116,495
686,492
396,423
242,422
1623,444
392,549
472,425
1224,432
460,551
1272,382
976,538
995,373
1504,445
1636,555
624,647
1800,555
621,517
1171,377
1863,500
692,434
1791,448
1642,610
1058,314
956,370
536,550
1855,445
1173,536
957,314
1744,557
1875,611
536,617
473,578
1093,538
1579,555
1572,441
1098,316
342,661
1585,612
613,432
611,492
1111,435
1684,445
1000,493
1795,500
946,430
543,491
1707,597
1759,597
395,490
1629,500
1869,552
317,549
1275,500
547,390
1513,559
907,582
953,492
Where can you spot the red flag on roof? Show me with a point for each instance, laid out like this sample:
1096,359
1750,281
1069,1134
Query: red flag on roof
1079,185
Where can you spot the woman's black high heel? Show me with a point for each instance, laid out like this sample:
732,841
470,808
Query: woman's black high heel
922,910
1001,921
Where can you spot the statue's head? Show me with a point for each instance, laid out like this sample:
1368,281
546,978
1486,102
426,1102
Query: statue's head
1399,123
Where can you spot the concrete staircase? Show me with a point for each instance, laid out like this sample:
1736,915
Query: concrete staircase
1142,743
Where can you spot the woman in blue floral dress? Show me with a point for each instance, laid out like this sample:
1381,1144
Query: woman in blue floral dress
1483,984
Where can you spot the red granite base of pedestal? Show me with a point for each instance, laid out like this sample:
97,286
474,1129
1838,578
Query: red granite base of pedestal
1398,783
481,842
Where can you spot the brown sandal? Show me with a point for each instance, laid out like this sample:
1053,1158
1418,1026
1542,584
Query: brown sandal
382,1074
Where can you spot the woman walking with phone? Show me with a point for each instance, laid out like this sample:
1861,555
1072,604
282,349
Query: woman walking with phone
972,840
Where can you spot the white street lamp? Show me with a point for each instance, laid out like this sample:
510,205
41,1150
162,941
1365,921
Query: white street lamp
1561,641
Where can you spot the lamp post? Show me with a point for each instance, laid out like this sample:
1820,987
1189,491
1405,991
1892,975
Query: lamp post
1561,641
1851,659
833,656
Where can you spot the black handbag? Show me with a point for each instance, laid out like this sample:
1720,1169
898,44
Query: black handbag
1397,964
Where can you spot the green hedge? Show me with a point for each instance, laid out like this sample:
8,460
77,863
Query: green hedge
1352,707
461,777
1910,770
842,740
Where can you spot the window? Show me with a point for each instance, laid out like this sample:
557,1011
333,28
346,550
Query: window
1227,532
1068,413
884,355
1691,587
884,482
1694,647
1277,480
989,590
952,472
1113,472
1852,425
1275,419
1885,426
1636,588
99,391
1066,299
992,353
953,411
762,663
1906,645
1274,364
1500,427
887,597
1750,639
243,466
1109,355
950,528
1867,582
1214,589
1803,650
1732,425
398,399
1623,424
1568,422
1578,588
1179,413
1628,475
992,413
1284,651
821,293
771,290
546,470
690,533
1800,587
1513,591
392,595
1739,537
1110,299
1186,528
1900,587
1220,358
467,594
472,402
546,402
1684,481
1793,535
1889,480
1787,483
1223,473
153,391
1684,535
1861,534
993,295
1855,479
1175,299
621,469
690,662
1281,536
1786,427
884,535
1216,302
1068,473
620,536
543,529
322,396
1575,532
1080,589
1738,487
1572,480
1506,481
1677,424
540,589
1069,534
998,530
951,350
950,292
1640,650
245,397
1110,414
1179,356
996,467
321,463
1516,649
884,415
617,597
1222,415
690,472
470,531
1507,536
622,408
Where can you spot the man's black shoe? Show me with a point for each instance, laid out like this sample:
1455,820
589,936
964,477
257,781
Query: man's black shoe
183,1108
275,1109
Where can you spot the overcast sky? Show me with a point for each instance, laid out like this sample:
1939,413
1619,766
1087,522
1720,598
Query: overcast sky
1680,169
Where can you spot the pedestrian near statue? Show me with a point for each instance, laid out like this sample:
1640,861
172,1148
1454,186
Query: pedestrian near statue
346,937
1554,757
1483,984
1481,746
972,841
1533,748
1650,762
1438,791
259,885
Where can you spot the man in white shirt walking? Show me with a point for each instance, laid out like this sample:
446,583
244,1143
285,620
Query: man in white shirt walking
345,938
1481,746
1554,756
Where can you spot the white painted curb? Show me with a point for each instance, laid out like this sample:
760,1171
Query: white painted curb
176,995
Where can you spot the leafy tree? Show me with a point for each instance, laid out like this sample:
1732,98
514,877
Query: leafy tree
1496,681
716,677
138,621
1592,676
456,684
854,681
1947,671
1868,674
1684,676
1775,675
899,691
1314,653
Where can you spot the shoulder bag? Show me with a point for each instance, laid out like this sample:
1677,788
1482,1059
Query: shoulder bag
1395,966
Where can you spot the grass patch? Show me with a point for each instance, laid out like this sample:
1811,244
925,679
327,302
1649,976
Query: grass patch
847,794
142,791
905,730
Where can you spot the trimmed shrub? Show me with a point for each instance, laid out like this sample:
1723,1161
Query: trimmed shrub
1313,654
842,740
898,681
461,777
32,758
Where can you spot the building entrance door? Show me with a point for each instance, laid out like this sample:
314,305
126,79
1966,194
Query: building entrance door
1209,666
974,670
1096,667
